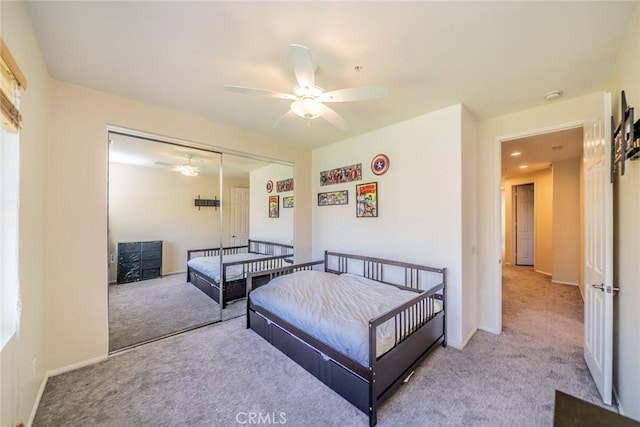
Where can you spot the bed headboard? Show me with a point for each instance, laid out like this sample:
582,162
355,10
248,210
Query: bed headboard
397,273
269,248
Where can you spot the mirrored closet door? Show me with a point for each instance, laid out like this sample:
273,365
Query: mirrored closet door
186,225
163,203
257,219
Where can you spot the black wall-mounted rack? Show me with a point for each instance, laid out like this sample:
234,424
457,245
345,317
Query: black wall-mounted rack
207,203
625,138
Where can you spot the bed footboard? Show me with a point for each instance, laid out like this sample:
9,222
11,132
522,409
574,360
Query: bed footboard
419,327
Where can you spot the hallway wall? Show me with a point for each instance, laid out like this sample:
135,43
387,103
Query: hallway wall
543,219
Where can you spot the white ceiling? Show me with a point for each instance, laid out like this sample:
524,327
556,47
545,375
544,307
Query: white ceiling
493,57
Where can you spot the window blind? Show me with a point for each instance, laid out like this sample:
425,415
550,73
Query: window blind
11,82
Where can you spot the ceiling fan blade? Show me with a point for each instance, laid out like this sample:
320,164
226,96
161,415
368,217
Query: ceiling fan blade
261,92
303,66
288,114
354,94
167,165
335,119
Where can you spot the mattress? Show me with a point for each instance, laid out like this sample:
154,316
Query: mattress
335,309
210,265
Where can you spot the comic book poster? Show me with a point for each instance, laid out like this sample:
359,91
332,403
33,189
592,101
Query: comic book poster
274,205
333,198
284,185
341,175
367,200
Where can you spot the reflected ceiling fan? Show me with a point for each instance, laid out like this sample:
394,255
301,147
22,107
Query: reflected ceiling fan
308,100
186,169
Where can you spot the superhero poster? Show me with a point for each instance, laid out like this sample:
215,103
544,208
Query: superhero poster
367,200
274,205
341,175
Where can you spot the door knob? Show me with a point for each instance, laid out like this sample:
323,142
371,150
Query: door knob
608,289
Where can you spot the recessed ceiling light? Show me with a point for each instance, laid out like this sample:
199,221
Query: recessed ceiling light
515,154
523,166
554,94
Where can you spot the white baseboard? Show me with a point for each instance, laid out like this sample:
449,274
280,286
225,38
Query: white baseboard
560,282
163,275
617,402
543,272
53,373
173,273
74,366
461,345
32,416
468,338
490,330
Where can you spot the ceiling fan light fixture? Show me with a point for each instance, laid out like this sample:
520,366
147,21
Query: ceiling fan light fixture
308,108
307,91
188,170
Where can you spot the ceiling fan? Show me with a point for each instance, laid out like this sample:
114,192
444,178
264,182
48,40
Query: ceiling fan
308,100
186,169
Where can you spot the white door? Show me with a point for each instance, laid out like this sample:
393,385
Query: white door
598,236
239,212
524,224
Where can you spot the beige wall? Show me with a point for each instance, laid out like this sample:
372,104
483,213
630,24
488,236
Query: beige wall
77,206
542,228
626,375
23,360
158,204
566,222
556,220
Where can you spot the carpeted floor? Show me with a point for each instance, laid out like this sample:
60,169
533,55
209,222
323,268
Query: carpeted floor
220,375
150,309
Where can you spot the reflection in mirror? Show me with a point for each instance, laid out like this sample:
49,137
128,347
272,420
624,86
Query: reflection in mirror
157,232
153,222
260,227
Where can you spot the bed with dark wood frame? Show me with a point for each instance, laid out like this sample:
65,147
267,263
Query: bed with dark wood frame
278,255
419,329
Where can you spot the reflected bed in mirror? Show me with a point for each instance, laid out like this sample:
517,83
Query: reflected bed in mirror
152,188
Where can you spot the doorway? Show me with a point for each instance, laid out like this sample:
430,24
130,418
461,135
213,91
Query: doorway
239,227
542,199
524,224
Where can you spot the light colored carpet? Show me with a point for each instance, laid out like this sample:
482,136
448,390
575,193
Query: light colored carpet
151,309
221,374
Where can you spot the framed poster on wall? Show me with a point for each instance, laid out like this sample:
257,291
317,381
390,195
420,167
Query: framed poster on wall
367,200
274,206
